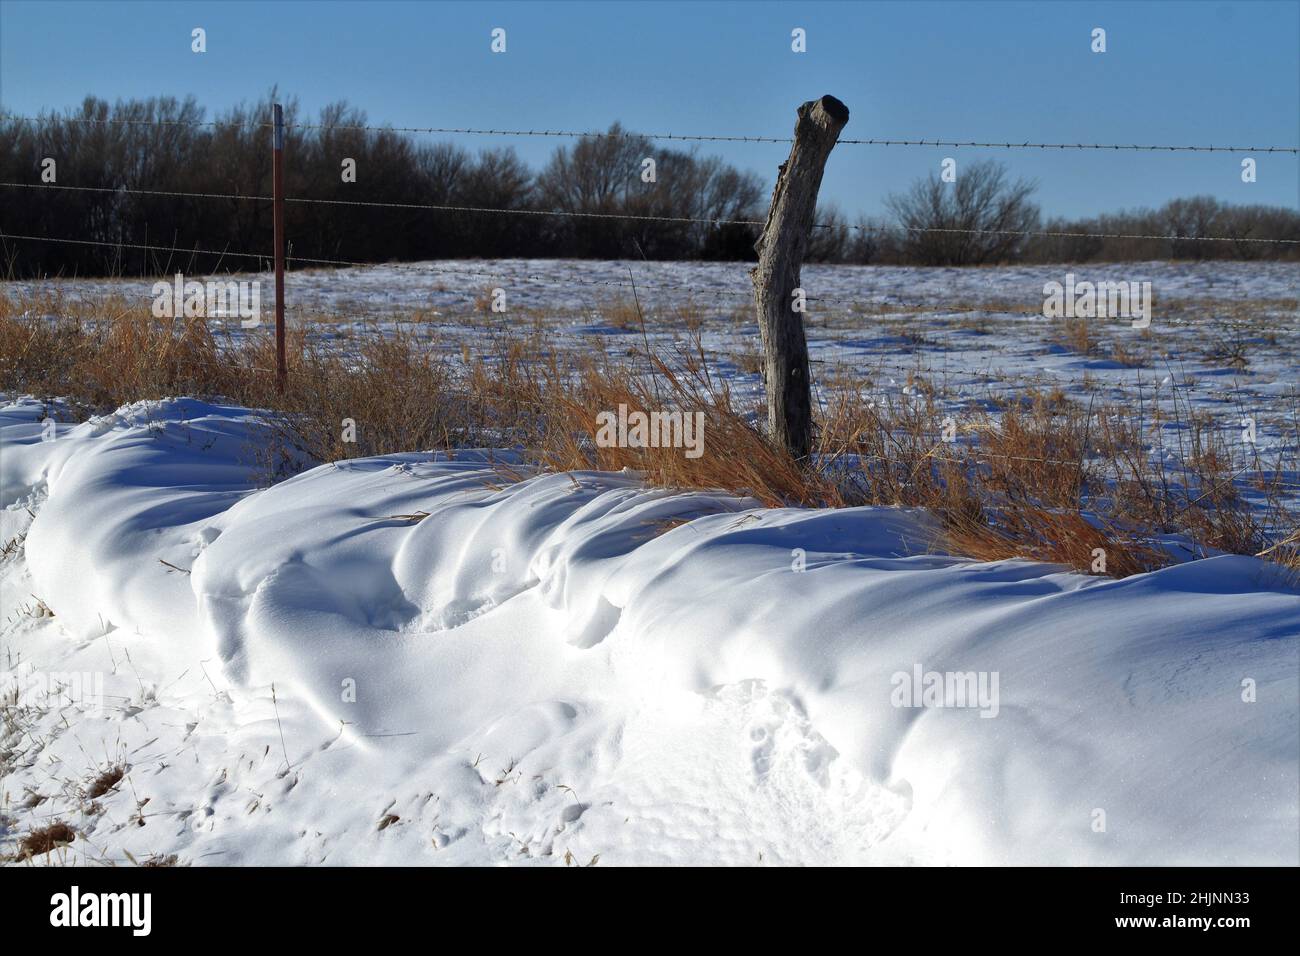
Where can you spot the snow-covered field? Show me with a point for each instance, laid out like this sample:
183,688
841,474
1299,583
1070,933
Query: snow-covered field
557,284
563,670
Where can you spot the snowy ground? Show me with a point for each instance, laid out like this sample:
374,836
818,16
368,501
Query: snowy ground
559,670
552,671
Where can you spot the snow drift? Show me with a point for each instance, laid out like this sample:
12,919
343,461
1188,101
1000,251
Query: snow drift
574,667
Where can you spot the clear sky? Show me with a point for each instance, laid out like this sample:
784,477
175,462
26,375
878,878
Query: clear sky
1174,72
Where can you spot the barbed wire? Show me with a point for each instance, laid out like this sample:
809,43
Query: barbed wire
178,250
827,307
630,134
645,217
345,262
848,308
497,276
633,285
570,279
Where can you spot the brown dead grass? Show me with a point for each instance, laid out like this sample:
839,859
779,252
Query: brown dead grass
1076,334
1053,481
1044,478
104,781
46,839
737,456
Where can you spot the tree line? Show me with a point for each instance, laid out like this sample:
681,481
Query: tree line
682,205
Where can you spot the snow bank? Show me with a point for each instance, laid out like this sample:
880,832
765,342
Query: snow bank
576,663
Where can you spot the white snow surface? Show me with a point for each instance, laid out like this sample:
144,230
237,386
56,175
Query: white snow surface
562,670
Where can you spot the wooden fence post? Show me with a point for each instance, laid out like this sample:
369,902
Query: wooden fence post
781,249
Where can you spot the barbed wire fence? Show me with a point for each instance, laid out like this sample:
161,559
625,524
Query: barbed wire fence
714,222
632,134
636,217
265,258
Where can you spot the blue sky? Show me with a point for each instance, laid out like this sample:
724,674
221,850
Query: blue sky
1174,72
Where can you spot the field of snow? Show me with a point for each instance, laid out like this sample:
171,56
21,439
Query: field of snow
411,659
570,284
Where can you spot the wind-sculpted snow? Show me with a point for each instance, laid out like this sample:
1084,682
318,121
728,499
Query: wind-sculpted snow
564,667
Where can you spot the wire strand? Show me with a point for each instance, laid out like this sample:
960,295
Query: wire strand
635,217
855,307
179,250
628,134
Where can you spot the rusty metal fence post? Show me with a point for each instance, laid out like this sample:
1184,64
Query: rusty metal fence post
277,194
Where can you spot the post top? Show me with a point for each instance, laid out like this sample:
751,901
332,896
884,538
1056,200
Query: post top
825,111
836,110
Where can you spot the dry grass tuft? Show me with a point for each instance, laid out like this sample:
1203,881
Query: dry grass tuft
734,457
104,781
1075,334
45,840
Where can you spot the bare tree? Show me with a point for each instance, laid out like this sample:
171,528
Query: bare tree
967,222
603,175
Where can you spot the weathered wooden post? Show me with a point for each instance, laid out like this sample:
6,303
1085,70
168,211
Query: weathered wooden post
781,249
